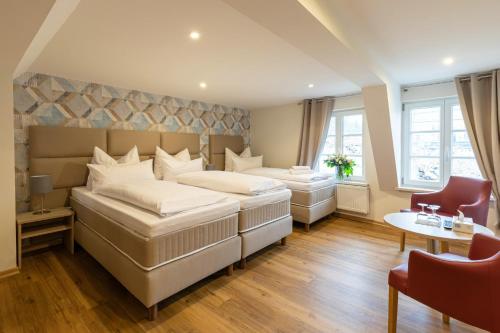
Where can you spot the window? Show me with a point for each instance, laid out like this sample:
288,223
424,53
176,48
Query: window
436,144
345,136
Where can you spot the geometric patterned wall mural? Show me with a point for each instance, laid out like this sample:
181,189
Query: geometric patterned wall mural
41,99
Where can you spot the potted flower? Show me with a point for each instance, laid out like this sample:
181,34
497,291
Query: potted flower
343,165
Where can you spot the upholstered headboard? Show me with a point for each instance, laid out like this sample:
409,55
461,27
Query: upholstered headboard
217,146
64,152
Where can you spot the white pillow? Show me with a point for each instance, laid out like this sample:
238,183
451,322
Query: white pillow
171,168
105,174
230,154
102,158
241,164
161,154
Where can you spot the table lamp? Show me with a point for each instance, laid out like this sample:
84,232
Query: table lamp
41,185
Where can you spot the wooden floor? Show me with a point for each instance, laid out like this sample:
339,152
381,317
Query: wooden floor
332,279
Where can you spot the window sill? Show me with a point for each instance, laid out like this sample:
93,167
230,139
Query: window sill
416,189
351,182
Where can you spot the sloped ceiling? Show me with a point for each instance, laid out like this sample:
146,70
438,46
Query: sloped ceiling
261,53
145,45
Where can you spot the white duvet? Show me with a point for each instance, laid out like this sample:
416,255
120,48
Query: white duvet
230,182
161,197
284,174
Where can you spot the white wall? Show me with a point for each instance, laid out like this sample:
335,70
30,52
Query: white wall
276,134
19,22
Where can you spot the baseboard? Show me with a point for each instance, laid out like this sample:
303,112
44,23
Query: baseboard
9,272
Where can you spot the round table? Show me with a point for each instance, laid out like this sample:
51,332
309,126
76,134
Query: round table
405,222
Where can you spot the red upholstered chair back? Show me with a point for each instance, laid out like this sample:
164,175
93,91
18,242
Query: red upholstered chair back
463,191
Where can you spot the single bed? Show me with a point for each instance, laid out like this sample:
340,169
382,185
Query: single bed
310,201
153,257
263,218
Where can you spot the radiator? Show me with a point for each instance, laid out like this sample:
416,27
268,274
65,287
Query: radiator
353,198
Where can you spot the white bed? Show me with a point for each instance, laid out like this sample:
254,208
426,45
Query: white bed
310,200
264,217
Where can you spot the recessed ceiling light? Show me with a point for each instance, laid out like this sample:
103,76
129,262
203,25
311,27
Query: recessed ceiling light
203,85
194,35
448,61
310,85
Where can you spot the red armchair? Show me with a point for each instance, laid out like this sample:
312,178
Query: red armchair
469,195
465,288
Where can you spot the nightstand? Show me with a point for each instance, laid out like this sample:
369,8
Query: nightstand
32,226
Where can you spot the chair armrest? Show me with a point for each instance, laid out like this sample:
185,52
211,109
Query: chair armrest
447,284
477,210
483,246
428,198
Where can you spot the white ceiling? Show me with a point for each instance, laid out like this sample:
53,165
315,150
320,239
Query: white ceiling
145,45
410,38
260,53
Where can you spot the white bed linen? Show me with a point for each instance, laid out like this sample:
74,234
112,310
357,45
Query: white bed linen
230,182
252,201
149,224
294,182
160,197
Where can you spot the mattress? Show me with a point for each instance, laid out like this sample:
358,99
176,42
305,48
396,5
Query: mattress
181,238
148,224
292,185
259,210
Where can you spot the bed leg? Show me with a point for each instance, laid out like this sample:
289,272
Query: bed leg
153,312
283,241
229,270
306,227
243,263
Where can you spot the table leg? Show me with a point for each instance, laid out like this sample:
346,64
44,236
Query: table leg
402,239
431,246
445,247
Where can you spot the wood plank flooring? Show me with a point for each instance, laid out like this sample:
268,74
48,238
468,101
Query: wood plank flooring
332,279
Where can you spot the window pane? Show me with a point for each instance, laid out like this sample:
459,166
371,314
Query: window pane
457,118
460,145
322,166
329,147
425,119
353,124
425,144
424,169
332,129
465,167
358,168
352,145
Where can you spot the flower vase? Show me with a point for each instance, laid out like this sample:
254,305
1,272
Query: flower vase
340,173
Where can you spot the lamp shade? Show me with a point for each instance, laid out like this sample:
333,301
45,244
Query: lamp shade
41,184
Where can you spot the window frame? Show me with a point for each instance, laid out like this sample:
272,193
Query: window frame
339,138
445,153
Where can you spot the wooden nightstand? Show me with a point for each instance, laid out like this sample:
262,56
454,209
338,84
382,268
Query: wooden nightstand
31,225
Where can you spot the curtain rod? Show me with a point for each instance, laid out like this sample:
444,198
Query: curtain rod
479,77
328,98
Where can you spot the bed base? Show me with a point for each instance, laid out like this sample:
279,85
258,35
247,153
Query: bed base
309,215
150,287
257,239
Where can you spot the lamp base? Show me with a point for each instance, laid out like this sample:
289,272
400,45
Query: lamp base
41,212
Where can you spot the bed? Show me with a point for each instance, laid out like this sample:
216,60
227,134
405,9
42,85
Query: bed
309,202
263,219
153,257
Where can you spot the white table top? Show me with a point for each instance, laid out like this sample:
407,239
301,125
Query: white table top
406,222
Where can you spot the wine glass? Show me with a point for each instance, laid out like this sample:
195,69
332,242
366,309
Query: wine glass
422,212
434,209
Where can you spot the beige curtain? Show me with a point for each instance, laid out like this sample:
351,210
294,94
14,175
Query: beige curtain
479,96
315,123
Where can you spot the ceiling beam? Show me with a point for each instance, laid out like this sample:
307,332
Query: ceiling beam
295,24
58,14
